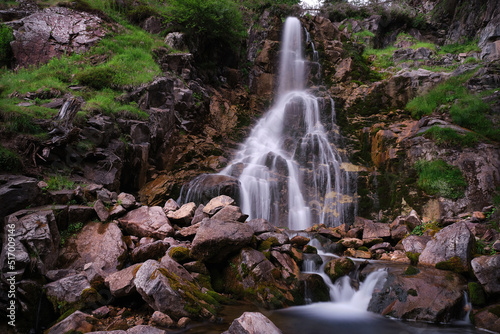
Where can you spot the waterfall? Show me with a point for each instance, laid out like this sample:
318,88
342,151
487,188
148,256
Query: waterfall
290,170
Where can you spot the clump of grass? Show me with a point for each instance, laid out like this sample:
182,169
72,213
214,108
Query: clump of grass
105,102
9,161
449,137
6,37
444,93
72,230
439,178
467,46
59,182
470,112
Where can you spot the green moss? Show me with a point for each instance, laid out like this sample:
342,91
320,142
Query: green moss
308,249
413,258
453,264
267,244
179,254
9,160
411,270
439,178
448,137
412,292
476,294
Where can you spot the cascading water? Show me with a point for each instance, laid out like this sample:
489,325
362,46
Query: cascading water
289,171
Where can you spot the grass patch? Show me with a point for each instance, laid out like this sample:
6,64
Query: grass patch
470,112
467,46
445,93
59,182
449,137
439,178
9,161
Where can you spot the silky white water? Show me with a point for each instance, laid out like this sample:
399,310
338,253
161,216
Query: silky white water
289,171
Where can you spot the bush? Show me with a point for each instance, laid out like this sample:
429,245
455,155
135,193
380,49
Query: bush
6,37
218,23
9,161
439,178
99,77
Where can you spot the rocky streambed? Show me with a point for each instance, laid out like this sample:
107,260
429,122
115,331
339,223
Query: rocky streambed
94,260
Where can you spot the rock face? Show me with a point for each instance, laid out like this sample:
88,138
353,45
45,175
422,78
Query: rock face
16,193
216,239
252,323
53,32
36,241
454,241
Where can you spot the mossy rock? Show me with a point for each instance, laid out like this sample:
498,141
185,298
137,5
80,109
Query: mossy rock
268,243
413,257
453,264
411,270
476,293
337,268
308,249
180,254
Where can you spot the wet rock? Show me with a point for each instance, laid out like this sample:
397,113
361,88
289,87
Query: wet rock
289,267
351,252
281,238
299,241
415,243
101,210
316,288
183,322
183,215
101,244
452,242
76,322
121,283
154,250
414,297
487,271
53,32
339,267
36,241
216,239
147,222
488,318
351,242
199,215
252,323
188,232
174,267
143,329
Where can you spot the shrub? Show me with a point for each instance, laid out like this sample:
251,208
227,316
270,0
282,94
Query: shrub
6,37
97,77
217,23
9,161
439,178
450,137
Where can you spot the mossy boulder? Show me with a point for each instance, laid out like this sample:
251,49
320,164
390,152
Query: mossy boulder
339,267
476,294
180,254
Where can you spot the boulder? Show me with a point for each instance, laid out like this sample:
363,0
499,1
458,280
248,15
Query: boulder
170,205
155,289
351,242
281,238
101,244
339,267
154,250
76,322
147,222
487,271
374,231
121,283
71,292
183,215
53,32
415,243
230,213
453,245
16,193
217,204
104,165
488,318
252,323
144,329
128,201
216,239
431,295
36,241
161,319
260,225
